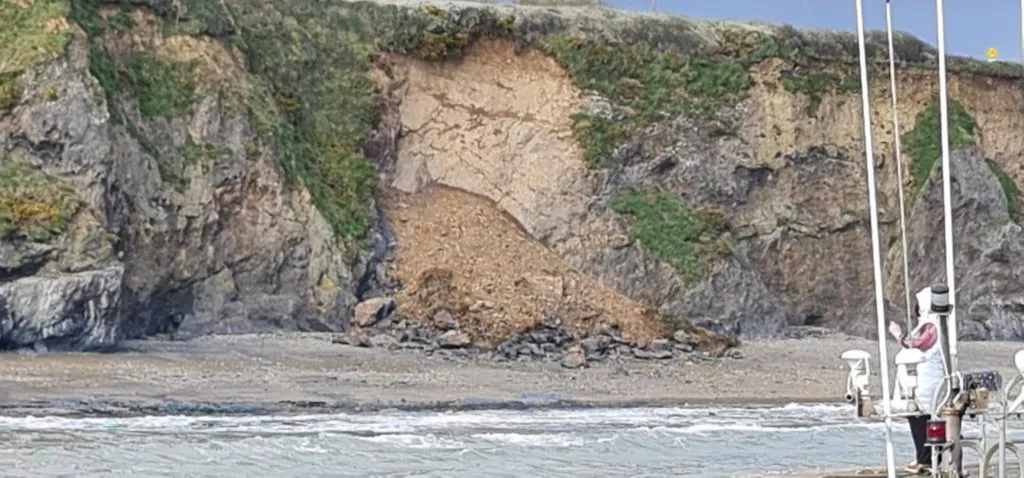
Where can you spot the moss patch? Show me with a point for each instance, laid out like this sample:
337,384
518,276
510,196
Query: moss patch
32,205
599,136
671,231
10,91
1010,189
33,32
818,85
121,20
163,88
205,154
923,143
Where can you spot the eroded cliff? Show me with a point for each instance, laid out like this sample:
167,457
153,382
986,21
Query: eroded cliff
190,167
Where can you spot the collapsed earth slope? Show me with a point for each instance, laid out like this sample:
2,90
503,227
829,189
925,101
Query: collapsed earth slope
189,167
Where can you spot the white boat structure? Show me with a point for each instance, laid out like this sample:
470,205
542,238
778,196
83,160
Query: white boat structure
961,397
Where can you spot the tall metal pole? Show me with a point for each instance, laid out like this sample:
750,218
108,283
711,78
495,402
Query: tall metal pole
899,163
946,193
883,353
952,372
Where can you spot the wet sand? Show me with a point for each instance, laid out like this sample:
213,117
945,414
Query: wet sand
291,372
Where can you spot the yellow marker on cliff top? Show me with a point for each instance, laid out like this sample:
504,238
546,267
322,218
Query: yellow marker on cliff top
991,53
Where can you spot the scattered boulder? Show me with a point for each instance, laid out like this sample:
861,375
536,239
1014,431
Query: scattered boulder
454,339
444,320
575,357
383,340
371,311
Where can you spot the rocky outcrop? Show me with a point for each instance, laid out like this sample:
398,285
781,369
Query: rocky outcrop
182,224
988,248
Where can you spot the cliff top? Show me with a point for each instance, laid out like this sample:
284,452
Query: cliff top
692,35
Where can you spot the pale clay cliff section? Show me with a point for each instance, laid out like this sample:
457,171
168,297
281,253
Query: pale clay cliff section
496,124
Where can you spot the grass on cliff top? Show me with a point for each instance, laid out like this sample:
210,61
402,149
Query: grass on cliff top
924,142
672,232
654,84
32,205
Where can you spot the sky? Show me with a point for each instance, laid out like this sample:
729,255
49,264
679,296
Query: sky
971,28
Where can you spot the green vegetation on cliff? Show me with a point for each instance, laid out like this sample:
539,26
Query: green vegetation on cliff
315,106
924,145
10,90
654,84
31,204
817,85
672,232
33,32
924,142
1010,189
163,88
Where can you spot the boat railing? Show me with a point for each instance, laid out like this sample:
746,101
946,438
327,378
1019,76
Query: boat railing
982,401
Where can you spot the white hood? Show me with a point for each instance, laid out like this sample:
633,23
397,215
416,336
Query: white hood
924,306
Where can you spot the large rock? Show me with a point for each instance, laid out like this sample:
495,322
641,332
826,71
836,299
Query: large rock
734,301
65,312
988,249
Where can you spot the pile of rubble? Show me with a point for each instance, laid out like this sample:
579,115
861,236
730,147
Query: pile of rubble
377,325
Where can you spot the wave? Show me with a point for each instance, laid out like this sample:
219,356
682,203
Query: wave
619,442
673,420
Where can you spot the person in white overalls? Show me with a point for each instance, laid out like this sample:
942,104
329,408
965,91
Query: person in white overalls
923,337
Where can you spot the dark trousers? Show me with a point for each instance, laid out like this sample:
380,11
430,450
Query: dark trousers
917,431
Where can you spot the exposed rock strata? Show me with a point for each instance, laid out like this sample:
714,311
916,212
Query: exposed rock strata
184,223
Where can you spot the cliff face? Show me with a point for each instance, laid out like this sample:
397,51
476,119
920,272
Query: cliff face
138,199
189,168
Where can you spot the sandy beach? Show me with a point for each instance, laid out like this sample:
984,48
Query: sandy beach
282,372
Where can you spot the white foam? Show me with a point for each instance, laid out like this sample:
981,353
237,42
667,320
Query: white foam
678,419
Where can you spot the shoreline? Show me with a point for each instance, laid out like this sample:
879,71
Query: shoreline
85,408
305,373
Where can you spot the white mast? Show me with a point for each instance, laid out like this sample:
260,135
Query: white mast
946,195
875,255
899,163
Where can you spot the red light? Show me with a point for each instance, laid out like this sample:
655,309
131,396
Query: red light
935,431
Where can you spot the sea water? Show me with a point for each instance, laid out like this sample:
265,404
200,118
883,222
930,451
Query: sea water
630,442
